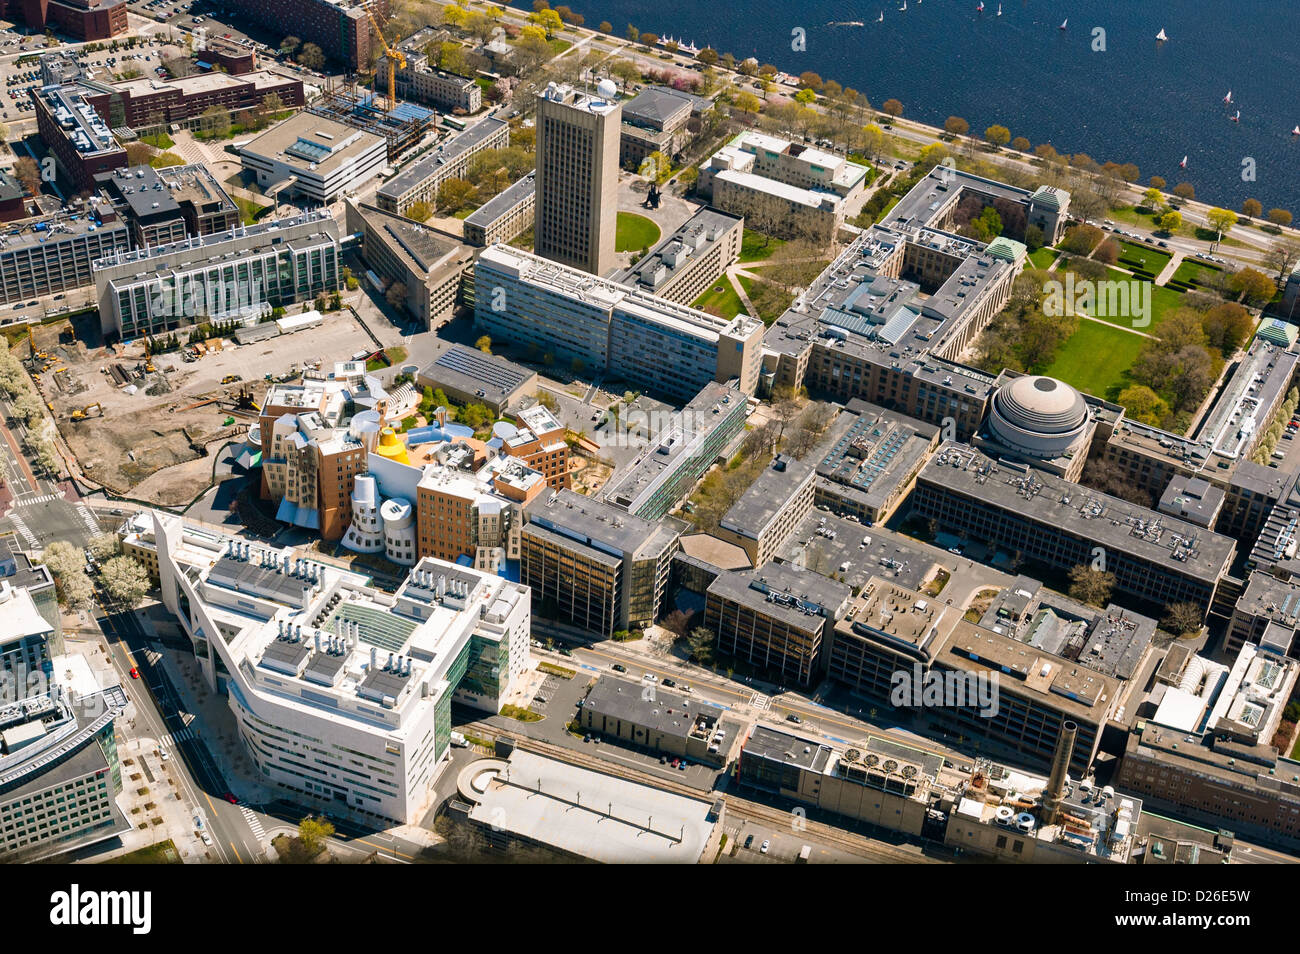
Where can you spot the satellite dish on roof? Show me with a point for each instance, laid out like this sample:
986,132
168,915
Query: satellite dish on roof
504,430
607,88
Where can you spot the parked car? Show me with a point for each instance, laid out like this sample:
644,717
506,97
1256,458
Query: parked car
618,667
764,846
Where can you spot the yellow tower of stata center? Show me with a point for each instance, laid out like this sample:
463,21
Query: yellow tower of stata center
391,447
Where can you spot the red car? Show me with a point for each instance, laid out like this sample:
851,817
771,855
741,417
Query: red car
135,673
230,797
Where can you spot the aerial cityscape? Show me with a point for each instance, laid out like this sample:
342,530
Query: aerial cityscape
466,433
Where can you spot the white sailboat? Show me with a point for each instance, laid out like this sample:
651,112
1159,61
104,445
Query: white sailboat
1064,22
1161,36
1296,131
1227,100
999,9
881,18
1237,118
1183,164
903,7
980,8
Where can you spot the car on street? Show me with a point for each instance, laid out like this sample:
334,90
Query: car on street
135,673
764,846
793,718
650,677
669,684
230,797
618,667
207,839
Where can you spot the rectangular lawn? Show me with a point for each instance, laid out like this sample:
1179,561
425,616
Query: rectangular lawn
1096,359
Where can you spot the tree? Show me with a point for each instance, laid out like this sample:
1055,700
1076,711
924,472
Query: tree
606,26
28,174
649,39
1252,208
700,645
124,579
1221,220
104,546
1088,585
956,126
892,107
1183,619
1253,284
1020,144
747,103
810,80
873,141
1185,191
1081,239
454,195
484,344
313,833
311,56
1152,198
708,56
1171,221
419,211
1283,256
548,20
289,44
1227,326
396,295
805,97
138,153
1143,404
1158,182
1279,216
632,33
215,122
1107,252
65,563
997,136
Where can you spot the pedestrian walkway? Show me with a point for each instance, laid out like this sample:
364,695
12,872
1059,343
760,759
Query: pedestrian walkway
32,501
23,530
91,523
172,739
760,702
251,817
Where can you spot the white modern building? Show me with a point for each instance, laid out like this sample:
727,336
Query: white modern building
314,157
341,691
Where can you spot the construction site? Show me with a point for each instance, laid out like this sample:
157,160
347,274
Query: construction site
147,426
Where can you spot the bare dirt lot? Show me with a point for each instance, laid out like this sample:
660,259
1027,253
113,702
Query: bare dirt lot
149,444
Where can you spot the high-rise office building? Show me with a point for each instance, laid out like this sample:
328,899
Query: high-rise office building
577,176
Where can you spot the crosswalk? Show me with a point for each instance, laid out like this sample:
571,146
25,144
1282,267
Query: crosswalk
89,518
32,501
172,739
23,530
760,702
251,817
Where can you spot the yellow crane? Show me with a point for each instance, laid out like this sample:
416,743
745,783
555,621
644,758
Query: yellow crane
396,58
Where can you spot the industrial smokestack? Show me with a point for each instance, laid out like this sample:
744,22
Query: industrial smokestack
1055,790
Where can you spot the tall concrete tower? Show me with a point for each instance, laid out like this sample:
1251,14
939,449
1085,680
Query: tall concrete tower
577,176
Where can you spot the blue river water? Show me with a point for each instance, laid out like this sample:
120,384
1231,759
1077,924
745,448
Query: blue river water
1136,100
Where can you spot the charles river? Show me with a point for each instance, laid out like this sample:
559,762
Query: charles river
1138,100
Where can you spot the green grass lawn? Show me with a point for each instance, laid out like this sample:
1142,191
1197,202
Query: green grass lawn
1134,255
634,232
249,211
1096,359
721,299
748,284
159,140
1192,272
755,246
163,853
1044,257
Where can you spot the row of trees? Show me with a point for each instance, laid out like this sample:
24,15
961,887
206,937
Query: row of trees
1093,586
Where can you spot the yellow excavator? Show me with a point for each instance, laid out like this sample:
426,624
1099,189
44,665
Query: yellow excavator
396,58
81,413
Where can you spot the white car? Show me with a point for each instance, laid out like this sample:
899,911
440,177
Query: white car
207,839
764,846
650,677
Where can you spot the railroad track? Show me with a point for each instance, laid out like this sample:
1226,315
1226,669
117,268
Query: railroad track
777,818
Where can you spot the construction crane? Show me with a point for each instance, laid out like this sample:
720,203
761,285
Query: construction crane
396,58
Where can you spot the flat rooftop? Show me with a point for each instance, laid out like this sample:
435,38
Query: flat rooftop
798,597
602,526
590,814
469,369
758,506
777,746
310,143
503,201
468,140
692,241
665,711
1087,514
868,450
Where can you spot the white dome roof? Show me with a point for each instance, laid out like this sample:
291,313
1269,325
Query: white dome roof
1038,416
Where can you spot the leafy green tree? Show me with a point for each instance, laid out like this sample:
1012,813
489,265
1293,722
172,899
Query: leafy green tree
125,580
484,344
313,833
